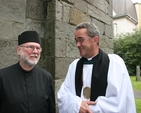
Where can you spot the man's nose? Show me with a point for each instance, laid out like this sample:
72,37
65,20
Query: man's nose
78,44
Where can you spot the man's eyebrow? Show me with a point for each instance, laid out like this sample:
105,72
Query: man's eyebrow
79,37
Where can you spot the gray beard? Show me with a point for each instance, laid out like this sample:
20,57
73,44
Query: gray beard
31,64
28,62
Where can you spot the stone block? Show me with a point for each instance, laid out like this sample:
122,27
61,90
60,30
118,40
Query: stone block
17,28
77,16
103,6
65,42
99,15
8,54
10,29
94,12
14,10
93,2
62,29
71,32
82,5
72,50
66,12
38,26
110,8
58,84
62,65
106,42
107,50
100,25
109,31
59,11
61,47
36,9
105,18
6,30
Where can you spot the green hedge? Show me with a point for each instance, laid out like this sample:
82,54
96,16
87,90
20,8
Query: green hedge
128,46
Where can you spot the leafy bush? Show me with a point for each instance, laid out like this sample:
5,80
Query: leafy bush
128,46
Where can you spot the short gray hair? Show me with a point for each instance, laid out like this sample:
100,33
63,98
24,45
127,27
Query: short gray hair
92,29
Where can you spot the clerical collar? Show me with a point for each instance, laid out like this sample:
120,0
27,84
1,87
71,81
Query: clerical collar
90,60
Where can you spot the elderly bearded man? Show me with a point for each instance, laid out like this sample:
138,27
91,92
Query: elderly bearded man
24,87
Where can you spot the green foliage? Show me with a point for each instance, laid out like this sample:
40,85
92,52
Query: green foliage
128,46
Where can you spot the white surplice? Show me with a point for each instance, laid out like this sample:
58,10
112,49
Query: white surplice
119,96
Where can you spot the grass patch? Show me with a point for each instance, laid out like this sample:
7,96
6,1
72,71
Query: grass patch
136,86
138,105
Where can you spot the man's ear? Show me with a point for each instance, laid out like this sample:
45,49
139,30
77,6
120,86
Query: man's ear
96,39
18,50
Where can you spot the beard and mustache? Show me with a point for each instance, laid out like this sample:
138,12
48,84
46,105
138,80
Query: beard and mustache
26,59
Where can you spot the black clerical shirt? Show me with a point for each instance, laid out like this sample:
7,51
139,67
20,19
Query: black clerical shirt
26,92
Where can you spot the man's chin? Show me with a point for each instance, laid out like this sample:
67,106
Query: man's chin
31,63
81,54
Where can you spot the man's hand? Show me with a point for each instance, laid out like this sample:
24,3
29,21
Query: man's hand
84,108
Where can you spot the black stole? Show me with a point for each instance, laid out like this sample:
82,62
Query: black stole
99,75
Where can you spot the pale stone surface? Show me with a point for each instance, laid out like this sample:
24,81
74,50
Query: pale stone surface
93,2
106,18
66,12
4,27
82,5
13,22
13,10
106,42
107,50
65,41
61,48
36,9
17,28
104,3
108,32
59,11
62,65
8,54
13,28
72,50
38,26
58,83
62,29
110,8
77,16
100,25
94,12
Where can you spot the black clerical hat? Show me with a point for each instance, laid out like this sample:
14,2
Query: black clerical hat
28,36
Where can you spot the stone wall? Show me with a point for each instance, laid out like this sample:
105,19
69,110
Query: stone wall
17,16
55,21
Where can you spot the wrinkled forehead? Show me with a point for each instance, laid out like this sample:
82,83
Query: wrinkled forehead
31,44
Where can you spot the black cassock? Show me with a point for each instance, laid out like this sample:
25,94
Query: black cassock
26,92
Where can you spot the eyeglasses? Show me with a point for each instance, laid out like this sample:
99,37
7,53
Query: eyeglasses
80,40
31,48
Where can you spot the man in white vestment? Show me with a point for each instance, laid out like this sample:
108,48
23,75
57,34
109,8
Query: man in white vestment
97,82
